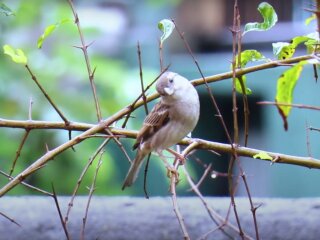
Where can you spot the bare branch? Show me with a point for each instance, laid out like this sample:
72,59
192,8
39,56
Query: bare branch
91,191
84,171
64,225
34,78
84,48
290,105
18,152
10,219
27,185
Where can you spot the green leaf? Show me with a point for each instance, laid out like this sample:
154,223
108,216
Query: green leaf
166,26
313,42
6,10
241,85
284,50
17,55
310,19
263,155
285,87
48,31
250,55
270,18
246,56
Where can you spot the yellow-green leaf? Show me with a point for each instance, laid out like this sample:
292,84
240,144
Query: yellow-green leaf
246,56
17,55
6,10
241,85
269,16
166,26
263,155
285,87
310,19
48,31
313,42
284,50
250,55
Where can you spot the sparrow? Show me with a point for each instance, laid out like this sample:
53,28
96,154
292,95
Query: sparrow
170,120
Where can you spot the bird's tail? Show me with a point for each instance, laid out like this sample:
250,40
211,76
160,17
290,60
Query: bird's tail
134,170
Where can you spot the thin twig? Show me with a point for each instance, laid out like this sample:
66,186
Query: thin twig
145,177
91,191
173,182
64,225
117,141
10,219
144,98
209,90
253,208
34,78
234,157
84,171
161,54
289,105
84,48
27,185
30,109
18,152
308,139
133,104
215,217
203,177
314,129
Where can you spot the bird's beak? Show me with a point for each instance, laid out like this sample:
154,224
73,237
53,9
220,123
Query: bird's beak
168,91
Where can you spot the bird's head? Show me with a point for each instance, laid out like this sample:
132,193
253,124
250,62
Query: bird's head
170,84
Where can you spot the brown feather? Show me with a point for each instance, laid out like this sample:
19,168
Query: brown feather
157,118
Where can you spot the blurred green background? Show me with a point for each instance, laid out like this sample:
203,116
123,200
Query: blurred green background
114,28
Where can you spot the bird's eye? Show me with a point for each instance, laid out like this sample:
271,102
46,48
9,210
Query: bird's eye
171,80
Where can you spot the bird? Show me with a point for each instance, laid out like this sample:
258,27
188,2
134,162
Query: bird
170,120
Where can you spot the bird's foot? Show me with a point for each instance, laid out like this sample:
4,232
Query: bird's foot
173,173
179,156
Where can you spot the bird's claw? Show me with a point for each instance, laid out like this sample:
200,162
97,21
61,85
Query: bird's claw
172,172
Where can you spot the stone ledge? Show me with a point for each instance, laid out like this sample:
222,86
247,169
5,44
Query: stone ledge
138,218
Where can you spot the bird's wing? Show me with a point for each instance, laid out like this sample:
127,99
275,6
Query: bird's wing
156,119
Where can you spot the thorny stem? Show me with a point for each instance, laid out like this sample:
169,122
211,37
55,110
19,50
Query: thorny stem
215,217
173,182
10,219
308,139
91,191
28,185
253,208
64,225
303,106
161,55
145,177
84,48
235,35
133,105
144,98
24,138
219,115
84,171
34,78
